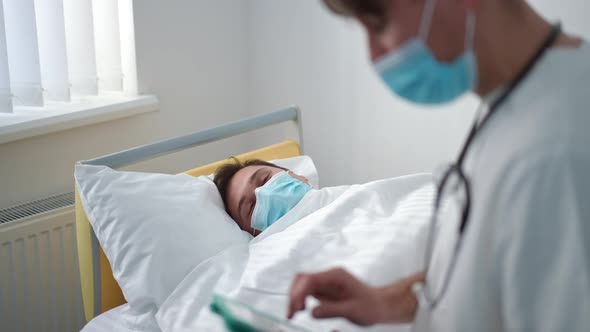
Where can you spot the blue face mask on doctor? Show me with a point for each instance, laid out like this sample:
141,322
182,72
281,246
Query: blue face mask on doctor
275,198
413,73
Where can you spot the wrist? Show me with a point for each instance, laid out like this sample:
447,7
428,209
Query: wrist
398,303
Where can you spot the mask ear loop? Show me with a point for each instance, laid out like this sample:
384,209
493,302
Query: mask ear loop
426,20
428,15
470,29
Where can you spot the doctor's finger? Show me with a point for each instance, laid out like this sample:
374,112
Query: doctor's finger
294,302
312,284
302,286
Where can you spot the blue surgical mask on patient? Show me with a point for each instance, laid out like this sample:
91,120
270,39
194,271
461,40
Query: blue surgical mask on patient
275,198
413,73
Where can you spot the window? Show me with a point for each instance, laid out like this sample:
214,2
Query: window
65,56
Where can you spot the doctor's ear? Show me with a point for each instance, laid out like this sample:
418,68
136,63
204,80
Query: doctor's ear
474,4
299,177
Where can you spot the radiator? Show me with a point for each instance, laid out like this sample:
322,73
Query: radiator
39,278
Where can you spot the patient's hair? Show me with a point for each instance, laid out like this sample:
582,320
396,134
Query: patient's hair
225,173
357,8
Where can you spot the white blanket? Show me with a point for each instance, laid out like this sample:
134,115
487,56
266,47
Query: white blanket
375,230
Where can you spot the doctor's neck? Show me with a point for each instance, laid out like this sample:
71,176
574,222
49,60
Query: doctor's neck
508,35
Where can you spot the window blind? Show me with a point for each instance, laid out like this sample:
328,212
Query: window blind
23,52
127,31
80,46
108,49
5,96
52,49
58,50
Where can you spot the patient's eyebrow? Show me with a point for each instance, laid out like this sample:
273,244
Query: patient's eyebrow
251,181
255,175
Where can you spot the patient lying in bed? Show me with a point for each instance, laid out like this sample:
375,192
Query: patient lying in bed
274,188
375,230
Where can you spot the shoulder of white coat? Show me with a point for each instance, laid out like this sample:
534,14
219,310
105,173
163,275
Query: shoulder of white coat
544,172
553,103
562,80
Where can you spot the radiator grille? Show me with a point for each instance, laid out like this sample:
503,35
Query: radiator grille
39,279
36,207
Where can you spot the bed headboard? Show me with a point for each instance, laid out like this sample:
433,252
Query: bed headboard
100,291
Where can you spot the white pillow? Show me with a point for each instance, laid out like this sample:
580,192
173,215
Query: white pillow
154,228
301,165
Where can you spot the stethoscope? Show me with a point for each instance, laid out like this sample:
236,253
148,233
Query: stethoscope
455,177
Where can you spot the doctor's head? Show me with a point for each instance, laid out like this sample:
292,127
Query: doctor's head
390,23
433,51
256,193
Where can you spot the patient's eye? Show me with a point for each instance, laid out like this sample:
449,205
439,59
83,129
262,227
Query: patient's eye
263,179
251,208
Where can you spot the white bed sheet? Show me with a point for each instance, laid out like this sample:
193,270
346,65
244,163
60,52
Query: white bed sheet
114,320
375,230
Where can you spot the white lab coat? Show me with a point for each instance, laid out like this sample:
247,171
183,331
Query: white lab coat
525,260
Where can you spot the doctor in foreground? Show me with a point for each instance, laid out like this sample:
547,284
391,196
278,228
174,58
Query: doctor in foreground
509,244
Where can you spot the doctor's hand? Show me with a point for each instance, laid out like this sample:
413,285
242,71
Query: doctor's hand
342,295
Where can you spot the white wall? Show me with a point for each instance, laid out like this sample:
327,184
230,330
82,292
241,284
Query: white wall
354,129
190,54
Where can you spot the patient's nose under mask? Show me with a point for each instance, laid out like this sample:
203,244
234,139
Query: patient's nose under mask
275,198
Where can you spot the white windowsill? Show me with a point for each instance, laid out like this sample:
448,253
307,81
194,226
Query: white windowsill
33,121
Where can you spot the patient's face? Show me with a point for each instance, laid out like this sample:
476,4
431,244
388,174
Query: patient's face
241,198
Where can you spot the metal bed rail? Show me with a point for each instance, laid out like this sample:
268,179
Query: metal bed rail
171,145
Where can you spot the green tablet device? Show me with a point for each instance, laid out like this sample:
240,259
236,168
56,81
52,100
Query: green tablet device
240,317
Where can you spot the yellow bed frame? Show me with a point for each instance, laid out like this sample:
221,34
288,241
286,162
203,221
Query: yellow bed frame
100,291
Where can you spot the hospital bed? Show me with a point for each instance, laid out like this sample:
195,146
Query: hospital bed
100,291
